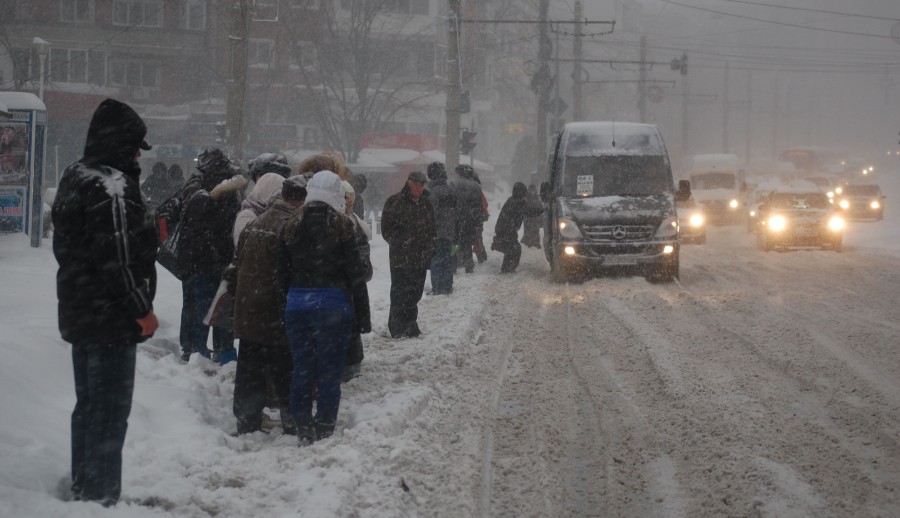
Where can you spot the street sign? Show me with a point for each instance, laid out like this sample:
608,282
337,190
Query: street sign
558,106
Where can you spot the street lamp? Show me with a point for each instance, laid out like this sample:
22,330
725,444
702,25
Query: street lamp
42,49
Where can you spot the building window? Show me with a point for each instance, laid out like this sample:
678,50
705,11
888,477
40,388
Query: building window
306,4
24,9
75,10
68,65
265,11
303,55
260,53
133,73
193,15
395,6
138,13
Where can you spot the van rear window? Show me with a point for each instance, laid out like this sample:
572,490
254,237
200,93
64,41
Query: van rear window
629,139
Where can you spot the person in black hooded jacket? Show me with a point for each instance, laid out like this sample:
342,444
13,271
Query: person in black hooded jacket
105,244
506,232
211,202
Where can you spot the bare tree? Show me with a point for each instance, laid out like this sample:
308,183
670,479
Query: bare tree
370,63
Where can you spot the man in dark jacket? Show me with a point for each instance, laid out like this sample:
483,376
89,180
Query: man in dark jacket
259,295
407,224
443,199
211,203
469,214
105,244
154,187
506,232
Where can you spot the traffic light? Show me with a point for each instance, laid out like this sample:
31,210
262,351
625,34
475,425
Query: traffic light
465,103
467,142
680,64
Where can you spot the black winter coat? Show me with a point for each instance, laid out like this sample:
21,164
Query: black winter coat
409,229
212,202
513,213
443,199
104,236
319,250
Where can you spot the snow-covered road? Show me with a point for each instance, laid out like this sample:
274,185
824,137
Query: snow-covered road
761,384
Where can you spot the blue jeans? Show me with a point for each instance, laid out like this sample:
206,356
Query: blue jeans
198,293
319,327
442,268
104,385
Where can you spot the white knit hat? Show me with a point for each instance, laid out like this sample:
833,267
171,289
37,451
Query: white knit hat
326,187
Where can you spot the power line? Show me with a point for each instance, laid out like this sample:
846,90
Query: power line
774,22
809,10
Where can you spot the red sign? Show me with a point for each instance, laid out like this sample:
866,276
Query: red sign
401,141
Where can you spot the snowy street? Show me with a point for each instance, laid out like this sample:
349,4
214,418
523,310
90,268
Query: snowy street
761,384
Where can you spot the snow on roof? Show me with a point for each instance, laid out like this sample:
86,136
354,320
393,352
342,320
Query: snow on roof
22,101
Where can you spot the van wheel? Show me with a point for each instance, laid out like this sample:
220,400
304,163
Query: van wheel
557,271
664,274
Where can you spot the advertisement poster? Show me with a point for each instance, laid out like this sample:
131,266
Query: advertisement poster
12,209
13,154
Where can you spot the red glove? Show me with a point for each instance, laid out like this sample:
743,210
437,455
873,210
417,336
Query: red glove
149,324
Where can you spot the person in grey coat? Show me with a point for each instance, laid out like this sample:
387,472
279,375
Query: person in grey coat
469,214
443,200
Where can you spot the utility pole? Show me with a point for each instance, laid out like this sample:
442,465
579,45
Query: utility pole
774,115
749,130
725,143
237,80
685,123
451,139
642,82
541,84
576,70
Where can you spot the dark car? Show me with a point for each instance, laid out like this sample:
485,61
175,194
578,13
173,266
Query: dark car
789,219
611,202
862,202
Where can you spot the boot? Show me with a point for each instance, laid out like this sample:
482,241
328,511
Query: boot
225,357
306,434
324,430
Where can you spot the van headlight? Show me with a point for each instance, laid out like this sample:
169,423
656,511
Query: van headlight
696,220
777,223
568,229
836,223
733,204
875,205
668,228
844,204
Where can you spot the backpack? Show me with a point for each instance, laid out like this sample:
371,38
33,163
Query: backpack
169,212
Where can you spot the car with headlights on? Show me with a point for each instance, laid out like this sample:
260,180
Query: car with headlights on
799,219
691,221
862,202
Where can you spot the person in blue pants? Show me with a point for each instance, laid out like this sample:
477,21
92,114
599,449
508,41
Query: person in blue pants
324,276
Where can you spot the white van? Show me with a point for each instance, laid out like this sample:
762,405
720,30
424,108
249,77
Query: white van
717,183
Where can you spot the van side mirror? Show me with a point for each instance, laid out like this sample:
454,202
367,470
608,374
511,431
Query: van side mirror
545,192
684,190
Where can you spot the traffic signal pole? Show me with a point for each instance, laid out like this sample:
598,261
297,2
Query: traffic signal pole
451,139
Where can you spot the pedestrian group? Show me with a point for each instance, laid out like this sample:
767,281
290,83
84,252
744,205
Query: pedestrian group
275,258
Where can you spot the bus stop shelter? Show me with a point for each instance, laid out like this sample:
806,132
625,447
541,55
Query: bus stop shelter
23,139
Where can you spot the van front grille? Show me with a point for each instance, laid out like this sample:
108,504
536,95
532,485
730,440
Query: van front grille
609,233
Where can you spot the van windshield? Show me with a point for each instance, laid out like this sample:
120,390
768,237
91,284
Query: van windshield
713,181
616,175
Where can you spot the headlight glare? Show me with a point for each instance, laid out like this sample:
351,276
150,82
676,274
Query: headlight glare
844,204
733,204
875,205
696,220
836,223
777,223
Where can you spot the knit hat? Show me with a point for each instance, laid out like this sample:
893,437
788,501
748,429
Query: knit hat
436,171
348,190
417,176
325,186
267,187
294,188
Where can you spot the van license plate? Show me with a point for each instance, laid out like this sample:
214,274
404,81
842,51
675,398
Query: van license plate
615,261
